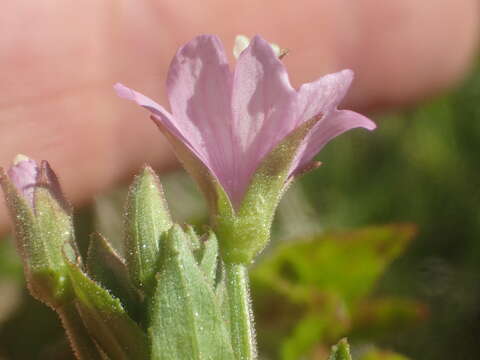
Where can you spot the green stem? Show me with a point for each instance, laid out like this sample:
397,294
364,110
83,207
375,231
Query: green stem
80,341
241,317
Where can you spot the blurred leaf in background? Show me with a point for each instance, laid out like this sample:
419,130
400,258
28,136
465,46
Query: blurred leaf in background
422,167
321,283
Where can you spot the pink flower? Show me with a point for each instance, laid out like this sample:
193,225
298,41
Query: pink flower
243,135
231,121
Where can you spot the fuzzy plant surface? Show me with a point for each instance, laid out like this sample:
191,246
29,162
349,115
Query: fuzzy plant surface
244,136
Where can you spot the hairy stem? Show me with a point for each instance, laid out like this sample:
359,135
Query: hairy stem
242,330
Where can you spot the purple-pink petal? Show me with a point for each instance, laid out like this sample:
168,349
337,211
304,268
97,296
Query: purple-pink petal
322,97
23,175
159,114
230,122
199,87
263,105
333,124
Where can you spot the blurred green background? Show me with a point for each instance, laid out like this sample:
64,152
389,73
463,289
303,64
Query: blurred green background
381,244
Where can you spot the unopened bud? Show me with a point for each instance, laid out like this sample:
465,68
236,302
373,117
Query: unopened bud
146,218
42,224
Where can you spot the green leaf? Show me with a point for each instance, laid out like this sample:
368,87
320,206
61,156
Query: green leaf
105,318
146,218
343,263
326,320
185,319
341,351
205,250
317,284
194,240
209,258
106,267
81,342
376,317
377,354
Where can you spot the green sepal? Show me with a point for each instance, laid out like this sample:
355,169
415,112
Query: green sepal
341,351
104,316
185,319
244,233
106,267
146,218
40,234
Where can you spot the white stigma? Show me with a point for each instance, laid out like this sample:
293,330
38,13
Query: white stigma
242,41
20,158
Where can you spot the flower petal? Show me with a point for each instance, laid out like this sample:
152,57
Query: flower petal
216,196
199,86
323,95
330,127
159,115
263,104
23,174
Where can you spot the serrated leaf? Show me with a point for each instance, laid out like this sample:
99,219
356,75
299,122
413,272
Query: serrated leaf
341,351
194,240
106,267
222,296
185,319
205,251
345,263
105,318
209,257
146,218
324,278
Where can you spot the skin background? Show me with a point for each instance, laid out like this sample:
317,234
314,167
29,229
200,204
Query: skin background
59,60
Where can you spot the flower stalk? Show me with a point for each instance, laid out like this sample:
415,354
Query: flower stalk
242,331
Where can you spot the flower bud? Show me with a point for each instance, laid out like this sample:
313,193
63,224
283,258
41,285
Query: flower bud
42,224
146,218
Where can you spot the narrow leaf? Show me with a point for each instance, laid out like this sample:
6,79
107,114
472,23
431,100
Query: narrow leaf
146,218
82,344
209,257
105,266
194,239
105,318
186,322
